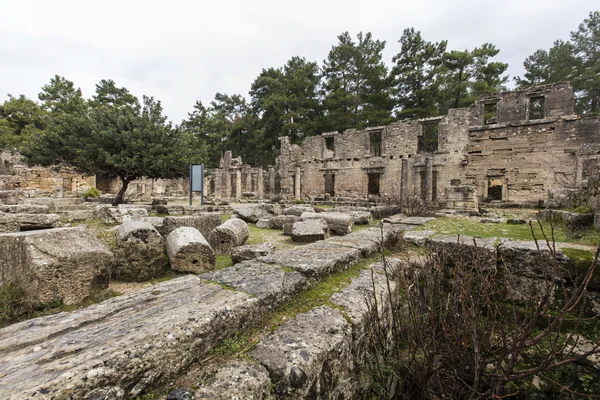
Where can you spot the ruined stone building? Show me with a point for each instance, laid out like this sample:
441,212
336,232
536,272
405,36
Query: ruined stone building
510,147
39,181
514,147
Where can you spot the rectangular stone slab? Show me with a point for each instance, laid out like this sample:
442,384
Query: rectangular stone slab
113,350
63,263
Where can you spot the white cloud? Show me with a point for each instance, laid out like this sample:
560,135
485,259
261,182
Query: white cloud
183,51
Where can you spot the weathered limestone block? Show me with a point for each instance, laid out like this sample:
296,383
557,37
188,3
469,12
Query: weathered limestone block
25,209
310,357
158,201
385,211
464,249
189,251
172,209
269,283
339,224
156,222
353,302
297,210
418,238
27,222
118,348
416,220
79,215
251,251
348,209
263,223
278,221
597,220
394,219
310,230
9,197
237,379
205,223
112,215
140,253
253,213
361,217
230,234
65,264
287,229
523,258
573,221
315,259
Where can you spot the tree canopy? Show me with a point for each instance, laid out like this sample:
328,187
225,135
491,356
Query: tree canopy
113,135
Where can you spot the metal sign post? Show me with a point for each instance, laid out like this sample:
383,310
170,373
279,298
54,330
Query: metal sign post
197,181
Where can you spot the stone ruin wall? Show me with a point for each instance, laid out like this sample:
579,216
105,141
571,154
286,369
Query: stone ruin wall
525,157
38,181
513,156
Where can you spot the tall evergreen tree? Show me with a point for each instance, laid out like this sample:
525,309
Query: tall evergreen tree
356,86
469,74
61,96
415,76
586,42
555,65
20,119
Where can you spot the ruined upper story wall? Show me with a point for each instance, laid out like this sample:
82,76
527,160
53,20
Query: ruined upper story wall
558,100
534,157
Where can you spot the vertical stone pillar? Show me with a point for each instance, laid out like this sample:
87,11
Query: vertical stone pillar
404,183
248,180
428,178
238,184
260,184
226,184
272,182
297,193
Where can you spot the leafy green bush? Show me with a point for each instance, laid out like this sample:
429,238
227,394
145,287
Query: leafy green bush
91,193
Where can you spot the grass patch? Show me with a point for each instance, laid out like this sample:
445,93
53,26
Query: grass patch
225,217
257,235
373,224
167,276
472,227
223,261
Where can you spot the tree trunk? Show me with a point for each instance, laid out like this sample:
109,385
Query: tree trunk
119,197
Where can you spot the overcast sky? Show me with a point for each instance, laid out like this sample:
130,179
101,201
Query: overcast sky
180,51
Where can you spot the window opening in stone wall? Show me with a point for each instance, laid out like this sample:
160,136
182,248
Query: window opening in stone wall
233,185
495,184
428,141
536,108
490,113
330,184
330,143
375,143
373,186
212,186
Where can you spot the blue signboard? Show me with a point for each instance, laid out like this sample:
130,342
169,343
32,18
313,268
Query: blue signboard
197,181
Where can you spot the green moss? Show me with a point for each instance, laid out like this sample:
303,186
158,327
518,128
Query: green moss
582,209
167,276
223,261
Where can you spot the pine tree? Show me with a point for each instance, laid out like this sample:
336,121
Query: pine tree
415,76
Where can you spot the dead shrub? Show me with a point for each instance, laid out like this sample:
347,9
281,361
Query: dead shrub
454,330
